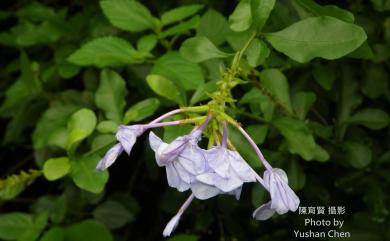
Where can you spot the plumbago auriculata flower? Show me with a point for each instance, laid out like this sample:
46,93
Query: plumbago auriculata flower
207,172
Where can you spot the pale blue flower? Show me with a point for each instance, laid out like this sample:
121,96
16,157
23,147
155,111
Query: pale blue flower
283,198
110,157
127,135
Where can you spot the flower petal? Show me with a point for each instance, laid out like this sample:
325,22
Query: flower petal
127,135
174,179
263,212
110,157
193,159
183,173
154,141
236,192
217,159
239,165
203,191
171,225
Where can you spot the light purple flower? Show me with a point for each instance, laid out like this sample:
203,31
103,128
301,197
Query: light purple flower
283,198
127,135
110,157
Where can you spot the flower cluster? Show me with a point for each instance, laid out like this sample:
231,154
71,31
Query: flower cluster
207,173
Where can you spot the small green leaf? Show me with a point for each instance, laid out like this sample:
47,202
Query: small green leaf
328,10
113,214
198,49
55,168
13,225
214,26
202,92
147,43
302,41
141,110
106,51
178,69
357,154
241,18
324,75
302,102
89,228
54,234
274,81
86,177
261,9
296,176
257,53
107,126
80,125
375,82
39,224
181,28
258,133
374,119
166,88
110,96
179,13
128,15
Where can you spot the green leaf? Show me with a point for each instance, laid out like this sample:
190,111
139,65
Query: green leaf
375,82
13,225
86,177
257,53
261,9
55,168
89,228
147,43
198,49
302,41
32,233
274,81
296,176
80,125
374,119
107,126
357,154
300,139
302,102
128,15
184,237
258,133
324,76
54,234
53,121
328,10
106,51
141,110
110,96
112,214
166,88
214,26
179,13
202,92
241,18
13,185
178,69
181,28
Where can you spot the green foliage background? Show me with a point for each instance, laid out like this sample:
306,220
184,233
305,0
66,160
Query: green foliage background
315,97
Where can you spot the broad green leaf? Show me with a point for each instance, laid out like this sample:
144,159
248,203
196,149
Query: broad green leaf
113,214
302,102
324,75
241,18
375,81
214,26
80,125
237,40
181,28
86,177
54,234
106,51
13,225
198,49
184,73
299,139
257,52
141,110
107,126
357,154
52,122
203,91
55,168
184,237
128,15
39,224
55,206
327,10
180,13
274,81
363,52
166,88
147,43
261,9
89,228
110,96
296,176
258,133
303,41
374,119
